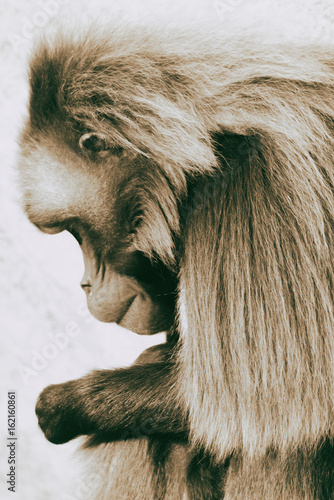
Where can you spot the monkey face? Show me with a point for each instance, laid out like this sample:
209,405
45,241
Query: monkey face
100,195
87,167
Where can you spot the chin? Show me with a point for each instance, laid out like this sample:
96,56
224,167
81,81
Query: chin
141,314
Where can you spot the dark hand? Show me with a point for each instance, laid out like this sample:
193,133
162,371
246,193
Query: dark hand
58,412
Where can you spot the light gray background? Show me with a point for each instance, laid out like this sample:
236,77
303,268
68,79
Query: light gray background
40,295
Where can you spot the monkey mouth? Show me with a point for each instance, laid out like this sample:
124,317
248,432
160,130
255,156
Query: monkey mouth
121,299
123,312
142,314
109,302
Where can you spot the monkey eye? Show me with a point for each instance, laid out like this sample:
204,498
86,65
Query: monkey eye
92,143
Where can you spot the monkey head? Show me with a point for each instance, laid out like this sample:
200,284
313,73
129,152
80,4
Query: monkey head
81,171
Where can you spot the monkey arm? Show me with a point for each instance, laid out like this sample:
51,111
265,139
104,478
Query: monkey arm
114,405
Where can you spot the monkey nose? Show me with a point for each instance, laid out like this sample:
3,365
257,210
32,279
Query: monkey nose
86,286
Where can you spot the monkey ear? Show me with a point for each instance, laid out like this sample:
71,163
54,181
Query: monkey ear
92,142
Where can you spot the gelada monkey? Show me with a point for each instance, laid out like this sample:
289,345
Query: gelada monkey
196,172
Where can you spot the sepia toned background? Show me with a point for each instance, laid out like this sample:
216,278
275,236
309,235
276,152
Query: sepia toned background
46,333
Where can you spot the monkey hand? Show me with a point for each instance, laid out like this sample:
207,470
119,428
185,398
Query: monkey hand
58,412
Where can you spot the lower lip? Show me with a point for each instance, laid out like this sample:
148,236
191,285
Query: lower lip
125,310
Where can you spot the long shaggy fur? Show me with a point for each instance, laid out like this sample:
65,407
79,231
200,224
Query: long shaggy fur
238,137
